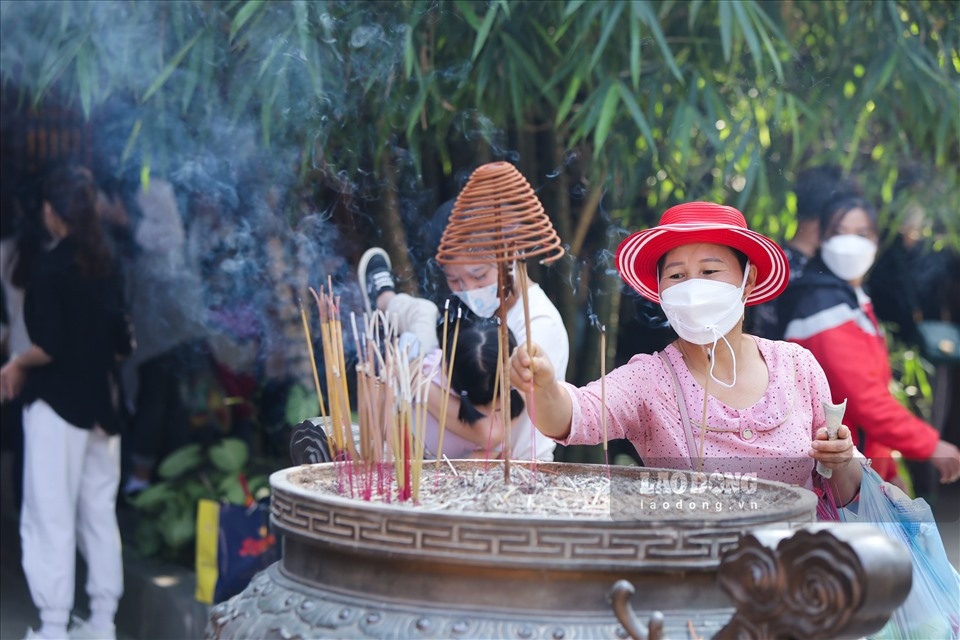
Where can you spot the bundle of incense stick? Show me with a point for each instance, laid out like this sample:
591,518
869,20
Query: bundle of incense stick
391,403
392,389
331,334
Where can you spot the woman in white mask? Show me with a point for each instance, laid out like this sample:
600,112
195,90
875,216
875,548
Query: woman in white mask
476,286
827,311
716,399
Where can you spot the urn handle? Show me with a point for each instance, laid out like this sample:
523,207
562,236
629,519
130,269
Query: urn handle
620,595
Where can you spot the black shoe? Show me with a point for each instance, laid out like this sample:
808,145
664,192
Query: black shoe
375,276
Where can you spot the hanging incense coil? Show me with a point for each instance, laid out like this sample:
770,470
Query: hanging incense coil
498,218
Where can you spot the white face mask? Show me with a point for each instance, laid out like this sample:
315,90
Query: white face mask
483,302
848,256
704,311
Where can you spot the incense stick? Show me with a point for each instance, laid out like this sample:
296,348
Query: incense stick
603,393
524,284
446,392
316,375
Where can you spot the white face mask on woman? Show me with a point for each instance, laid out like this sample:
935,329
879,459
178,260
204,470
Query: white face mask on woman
848,256
703,311
483,302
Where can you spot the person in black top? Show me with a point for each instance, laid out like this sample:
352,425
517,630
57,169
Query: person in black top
76,318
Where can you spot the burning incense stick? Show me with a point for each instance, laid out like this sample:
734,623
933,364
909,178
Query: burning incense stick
316,375
521,269
603,392
445,398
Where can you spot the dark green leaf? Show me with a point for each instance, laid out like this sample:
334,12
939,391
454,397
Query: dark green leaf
181,461
726,30
171,67
607,113
484,31
247,11
229,455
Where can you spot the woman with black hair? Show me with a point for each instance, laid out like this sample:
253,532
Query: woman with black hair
472,382
827,311
76,318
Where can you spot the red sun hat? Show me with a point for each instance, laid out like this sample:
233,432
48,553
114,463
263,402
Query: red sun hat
699,222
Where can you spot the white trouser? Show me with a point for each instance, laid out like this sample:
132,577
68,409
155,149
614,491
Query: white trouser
417,316
70,481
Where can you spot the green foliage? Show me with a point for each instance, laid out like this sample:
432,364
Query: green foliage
911,378
168,509
650,103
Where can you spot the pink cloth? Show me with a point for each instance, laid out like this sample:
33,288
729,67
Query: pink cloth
454,446
770,439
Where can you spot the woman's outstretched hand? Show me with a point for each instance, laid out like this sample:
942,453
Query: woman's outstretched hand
548,405
528,378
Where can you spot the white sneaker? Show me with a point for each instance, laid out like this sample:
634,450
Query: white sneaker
374,275
83,631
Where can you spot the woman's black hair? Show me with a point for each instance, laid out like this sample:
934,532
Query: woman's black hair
838,208
72,192
475,364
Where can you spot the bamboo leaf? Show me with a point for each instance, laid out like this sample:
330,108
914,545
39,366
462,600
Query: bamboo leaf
635,41
639,118
653,23
131,140
516,98
726,35
171,67
466,10
609,25
527,64
573,90
484,31
693,8
413,114
85,79
246,12
56,66
607,113
572,7
753,43
278,43
878,79
192,78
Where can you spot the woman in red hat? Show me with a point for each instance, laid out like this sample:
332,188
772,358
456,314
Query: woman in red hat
716,399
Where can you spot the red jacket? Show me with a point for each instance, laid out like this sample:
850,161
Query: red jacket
823,314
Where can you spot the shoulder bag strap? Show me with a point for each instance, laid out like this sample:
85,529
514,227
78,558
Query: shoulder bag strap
687,431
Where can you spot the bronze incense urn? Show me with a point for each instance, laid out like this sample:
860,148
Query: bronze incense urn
670,568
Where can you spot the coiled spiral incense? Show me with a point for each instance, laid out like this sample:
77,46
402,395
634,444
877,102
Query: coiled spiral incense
498,218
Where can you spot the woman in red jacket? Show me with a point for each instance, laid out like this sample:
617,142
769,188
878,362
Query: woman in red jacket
827,311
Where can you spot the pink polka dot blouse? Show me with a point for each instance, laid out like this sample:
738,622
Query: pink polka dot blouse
770,439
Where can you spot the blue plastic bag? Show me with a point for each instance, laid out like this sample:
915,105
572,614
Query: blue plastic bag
932,610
